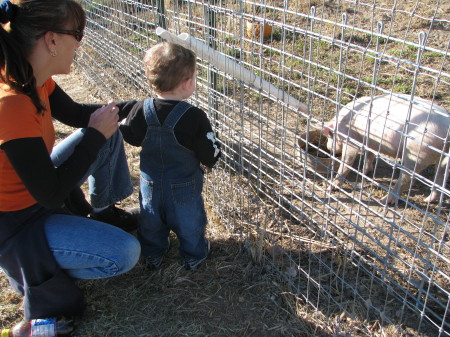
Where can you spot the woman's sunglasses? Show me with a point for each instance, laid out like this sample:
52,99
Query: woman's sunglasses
77,34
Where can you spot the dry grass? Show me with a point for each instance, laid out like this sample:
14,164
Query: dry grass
230,295
235,293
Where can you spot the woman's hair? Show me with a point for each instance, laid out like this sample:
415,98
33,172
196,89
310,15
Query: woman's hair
28,20
167,65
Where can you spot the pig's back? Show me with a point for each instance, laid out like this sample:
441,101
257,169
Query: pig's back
428,123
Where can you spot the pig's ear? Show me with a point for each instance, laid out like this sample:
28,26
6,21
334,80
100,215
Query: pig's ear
328,128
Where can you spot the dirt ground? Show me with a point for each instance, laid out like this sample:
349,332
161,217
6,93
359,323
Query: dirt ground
230,295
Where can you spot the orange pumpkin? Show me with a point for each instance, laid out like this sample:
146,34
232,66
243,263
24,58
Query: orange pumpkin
253,30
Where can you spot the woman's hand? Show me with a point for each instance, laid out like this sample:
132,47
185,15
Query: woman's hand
105,119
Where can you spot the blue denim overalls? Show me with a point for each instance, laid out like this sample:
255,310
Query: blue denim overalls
171,189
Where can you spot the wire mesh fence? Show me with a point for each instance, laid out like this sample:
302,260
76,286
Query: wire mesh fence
345,99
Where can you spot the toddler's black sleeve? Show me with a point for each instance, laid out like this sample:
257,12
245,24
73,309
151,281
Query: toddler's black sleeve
205,144
134,127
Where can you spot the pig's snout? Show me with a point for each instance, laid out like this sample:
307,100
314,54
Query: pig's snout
337,148
332,145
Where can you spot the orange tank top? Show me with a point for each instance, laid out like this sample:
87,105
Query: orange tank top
19,119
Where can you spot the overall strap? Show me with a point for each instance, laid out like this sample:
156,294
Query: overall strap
176,113
150,112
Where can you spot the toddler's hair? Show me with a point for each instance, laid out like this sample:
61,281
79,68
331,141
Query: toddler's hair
167,65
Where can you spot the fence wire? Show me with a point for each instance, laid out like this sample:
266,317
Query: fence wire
327,230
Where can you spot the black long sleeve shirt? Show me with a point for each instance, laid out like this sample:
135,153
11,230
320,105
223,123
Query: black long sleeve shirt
192,131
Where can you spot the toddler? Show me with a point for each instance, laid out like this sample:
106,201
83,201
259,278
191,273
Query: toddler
176,138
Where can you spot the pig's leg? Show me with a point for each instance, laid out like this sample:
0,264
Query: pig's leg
439,178
370,157
349,154
403,180
410,162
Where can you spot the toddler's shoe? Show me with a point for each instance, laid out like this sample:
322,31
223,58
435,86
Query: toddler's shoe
191,264
154,262
124,219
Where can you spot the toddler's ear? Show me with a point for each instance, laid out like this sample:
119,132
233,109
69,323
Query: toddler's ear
189,83
186,82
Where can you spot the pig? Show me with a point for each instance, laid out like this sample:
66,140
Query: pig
426,137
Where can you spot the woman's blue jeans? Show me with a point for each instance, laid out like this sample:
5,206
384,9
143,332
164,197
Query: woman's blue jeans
85,248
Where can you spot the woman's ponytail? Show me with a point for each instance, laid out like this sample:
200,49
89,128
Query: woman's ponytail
7,11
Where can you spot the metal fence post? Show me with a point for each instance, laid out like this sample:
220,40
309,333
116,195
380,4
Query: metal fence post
161,14
210,22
